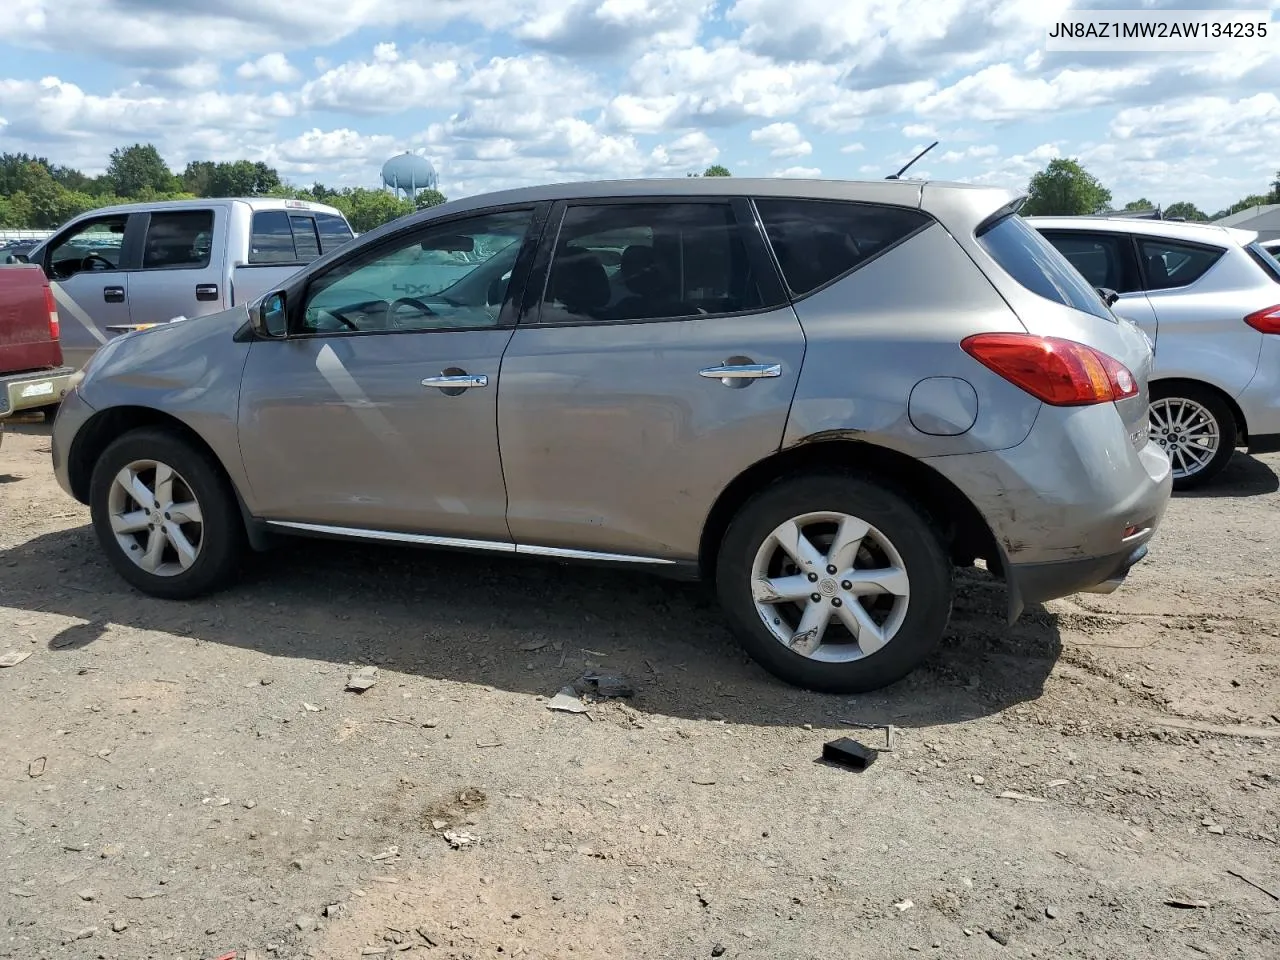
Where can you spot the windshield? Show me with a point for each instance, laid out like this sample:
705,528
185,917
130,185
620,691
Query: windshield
1036,264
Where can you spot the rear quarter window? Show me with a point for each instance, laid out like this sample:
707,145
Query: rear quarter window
1170,264
271,239
334,231
819,241
1267,259
1031,260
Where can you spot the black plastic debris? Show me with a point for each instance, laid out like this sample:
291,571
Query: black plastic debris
847,752
604,685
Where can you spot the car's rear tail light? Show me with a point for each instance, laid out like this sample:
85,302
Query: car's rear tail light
1059,372
55,331
1265,321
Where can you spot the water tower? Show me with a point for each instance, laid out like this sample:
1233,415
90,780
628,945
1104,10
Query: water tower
409,173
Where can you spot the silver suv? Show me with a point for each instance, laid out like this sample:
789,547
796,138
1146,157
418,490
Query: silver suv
819,396
1209,298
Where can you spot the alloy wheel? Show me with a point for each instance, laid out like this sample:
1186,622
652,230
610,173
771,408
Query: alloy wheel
830,587
1187,431
156,518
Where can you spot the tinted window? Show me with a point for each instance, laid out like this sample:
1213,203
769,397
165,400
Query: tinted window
180,238
817,241
644,261
1267,257
1102,259
272,238
334,231
1171,264
305,241
1034,263
454,275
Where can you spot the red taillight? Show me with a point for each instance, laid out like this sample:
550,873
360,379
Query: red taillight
1059,372
1265,321
55,331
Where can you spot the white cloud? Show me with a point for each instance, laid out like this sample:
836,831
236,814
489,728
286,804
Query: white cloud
590,28
387,83
804,173
917,130
782,140
853,148
999,93
270,66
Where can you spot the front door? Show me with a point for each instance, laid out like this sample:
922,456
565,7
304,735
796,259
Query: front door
182,268
88,270
378,414
658,364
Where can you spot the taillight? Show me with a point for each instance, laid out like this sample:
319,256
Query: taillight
55,331
1059,372
1265,321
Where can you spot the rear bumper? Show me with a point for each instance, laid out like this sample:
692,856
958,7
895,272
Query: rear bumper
1038,582
29,391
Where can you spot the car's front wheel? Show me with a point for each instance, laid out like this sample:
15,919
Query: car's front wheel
165,515
1196,428
834,583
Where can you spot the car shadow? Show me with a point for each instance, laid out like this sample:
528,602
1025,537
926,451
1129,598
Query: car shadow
528,627
1243,476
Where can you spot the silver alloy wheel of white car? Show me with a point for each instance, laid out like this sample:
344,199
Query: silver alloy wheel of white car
1188,432
830,587
156,518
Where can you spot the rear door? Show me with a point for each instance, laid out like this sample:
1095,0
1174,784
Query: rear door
1108,260
655,359
88,268
181,272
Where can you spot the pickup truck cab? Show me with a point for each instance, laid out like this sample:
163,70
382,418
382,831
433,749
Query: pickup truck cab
119,268
32,373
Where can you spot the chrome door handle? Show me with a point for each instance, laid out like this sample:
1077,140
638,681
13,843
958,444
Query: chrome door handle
741,371
457,382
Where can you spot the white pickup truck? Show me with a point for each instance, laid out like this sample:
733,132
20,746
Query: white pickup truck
119,268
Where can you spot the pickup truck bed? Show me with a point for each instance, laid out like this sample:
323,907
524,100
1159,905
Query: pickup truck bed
32,374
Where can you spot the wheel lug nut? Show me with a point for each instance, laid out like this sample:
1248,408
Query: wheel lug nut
846,585
816,597
836,602
813,578
831,570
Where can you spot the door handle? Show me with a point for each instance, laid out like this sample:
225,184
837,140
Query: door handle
741,371
206,291
113,294
456,381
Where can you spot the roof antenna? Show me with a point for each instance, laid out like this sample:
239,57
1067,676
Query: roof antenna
898,175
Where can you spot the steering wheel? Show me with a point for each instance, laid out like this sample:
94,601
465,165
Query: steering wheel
412,302
90,259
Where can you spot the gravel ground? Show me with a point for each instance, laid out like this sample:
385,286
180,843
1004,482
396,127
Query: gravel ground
193,780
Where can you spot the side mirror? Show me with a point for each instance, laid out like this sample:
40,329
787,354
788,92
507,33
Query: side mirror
268,317
1109,296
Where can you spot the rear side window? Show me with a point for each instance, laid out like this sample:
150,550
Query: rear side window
306,243
334,231
1035,264
1268,260
818,241
1102,259
1169,264
272,238
177,239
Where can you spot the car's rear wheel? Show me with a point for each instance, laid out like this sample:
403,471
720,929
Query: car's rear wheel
834,583
1197,430
165,515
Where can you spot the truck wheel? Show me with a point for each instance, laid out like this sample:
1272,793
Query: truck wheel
1196,428
165,514
833,583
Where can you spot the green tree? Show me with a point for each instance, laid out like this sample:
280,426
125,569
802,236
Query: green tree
133,169
429,198
717,170
1275,188
366,209
1134,206
1186,210
1065,188
21,171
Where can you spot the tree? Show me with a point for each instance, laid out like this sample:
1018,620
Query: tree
1186,210
1065,188
366,209
133,169
21,171
1136,206
717,170
429,198
1275,188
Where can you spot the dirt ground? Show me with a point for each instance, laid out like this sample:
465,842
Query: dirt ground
192,780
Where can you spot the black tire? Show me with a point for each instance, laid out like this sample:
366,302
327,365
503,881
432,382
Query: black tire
51,412
222,533
902,523
1221,412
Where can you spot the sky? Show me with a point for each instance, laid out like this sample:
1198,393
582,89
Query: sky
497,93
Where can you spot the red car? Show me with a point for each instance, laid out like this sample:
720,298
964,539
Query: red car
32,374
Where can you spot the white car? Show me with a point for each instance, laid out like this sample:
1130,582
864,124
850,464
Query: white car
1209,299
1272,247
